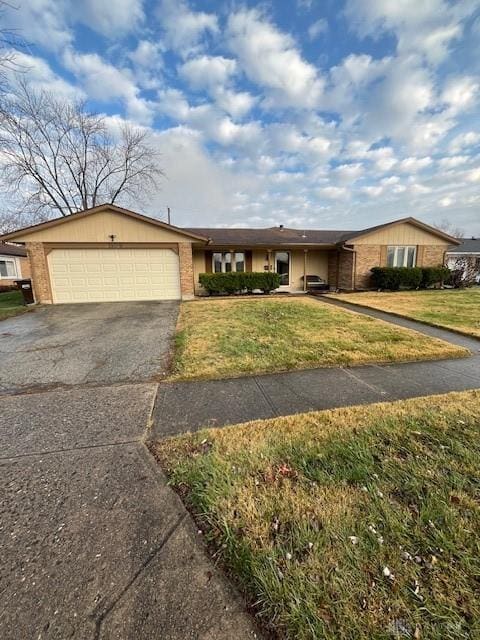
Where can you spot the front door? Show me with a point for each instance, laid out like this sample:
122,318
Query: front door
282,267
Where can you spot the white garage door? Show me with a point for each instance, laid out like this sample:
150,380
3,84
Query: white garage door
106,275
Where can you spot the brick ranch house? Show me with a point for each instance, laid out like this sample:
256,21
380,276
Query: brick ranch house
14,264
108,253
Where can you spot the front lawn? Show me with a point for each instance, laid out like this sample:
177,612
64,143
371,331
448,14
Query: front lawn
11,304
228,338
359,523
452,309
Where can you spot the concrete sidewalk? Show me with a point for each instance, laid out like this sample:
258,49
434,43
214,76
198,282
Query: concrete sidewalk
188,406
94,543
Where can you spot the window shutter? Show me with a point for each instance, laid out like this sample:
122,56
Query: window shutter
248,261
420,254
208,261
383,256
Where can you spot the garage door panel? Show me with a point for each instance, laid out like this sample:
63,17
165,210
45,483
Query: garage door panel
101,275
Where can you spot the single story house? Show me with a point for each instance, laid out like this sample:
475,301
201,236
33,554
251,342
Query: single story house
14,264
108,253
465,256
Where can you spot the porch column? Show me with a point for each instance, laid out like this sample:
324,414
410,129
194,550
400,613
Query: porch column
305,253
186,270
269,260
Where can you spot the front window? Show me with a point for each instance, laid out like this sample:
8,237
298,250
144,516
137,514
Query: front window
401,256
8,269
226,261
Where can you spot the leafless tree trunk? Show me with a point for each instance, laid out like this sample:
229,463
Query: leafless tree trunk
58,158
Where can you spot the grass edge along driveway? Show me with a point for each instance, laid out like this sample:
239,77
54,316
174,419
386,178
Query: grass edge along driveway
231,338
11,304
450,309
359,522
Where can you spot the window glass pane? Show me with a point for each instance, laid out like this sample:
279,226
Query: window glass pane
217,262
400,260
7,269
411,257
240,261
390,256
227,259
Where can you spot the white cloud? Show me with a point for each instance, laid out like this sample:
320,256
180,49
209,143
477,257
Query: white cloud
414,165
348,172
270,59
317,28
237,104
102,81
111,18
372,191
185,29
428,27
464,141
147,54
453,161
42,78
460,93
333,193
474,175
41,22
446,201
208,71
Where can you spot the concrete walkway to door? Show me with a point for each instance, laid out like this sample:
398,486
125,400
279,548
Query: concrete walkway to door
188,406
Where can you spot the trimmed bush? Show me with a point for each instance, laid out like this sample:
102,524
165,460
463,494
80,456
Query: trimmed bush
239,282
395,278
432,276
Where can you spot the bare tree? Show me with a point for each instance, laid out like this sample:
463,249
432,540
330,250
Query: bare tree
451,228
57,157
9,42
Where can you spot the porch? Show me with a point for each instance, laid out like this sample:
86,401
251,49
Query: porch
293,264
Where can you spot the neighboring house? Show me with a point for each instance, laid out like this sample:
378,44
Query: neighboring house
466,257
14,264
108,253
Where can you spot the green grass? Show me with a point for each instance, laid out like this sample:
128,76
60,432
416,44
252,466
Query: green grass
11,304
228,338
452,309
308,512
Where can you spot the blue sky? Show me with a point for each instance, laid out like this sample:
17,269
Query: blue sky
308,113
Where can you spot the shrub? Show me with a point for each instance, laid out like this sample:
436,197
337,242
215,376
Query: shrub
239,282
6,288
395,278
434,276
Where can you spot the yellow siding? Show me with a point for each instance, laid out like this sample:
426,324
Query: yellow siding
401,234
99,226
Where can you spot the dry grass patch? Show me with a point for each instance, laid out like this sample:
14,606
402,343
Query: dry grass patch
354,523
452,309
228,338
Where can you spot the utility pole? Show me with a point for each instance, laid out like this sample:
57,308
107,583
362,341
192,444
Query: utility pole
168,215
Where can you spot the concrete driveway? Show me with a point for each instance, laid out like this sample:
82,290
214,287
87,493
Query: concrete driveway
94,543
86,344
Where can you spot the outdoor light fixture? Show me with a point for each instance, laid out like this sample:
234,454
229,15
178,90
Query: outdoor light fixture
112,237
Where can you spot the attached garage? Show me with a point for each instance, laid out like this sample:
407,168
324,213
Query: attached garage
109,275
109,254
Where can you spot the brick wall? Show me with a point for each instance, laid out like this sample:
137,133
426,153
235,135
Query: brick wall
340,269
39,272
431,255
186,270
367,256
25,268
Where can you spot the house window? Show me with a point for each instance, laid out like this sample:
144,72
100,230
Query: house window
401,256
8,269
226,261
